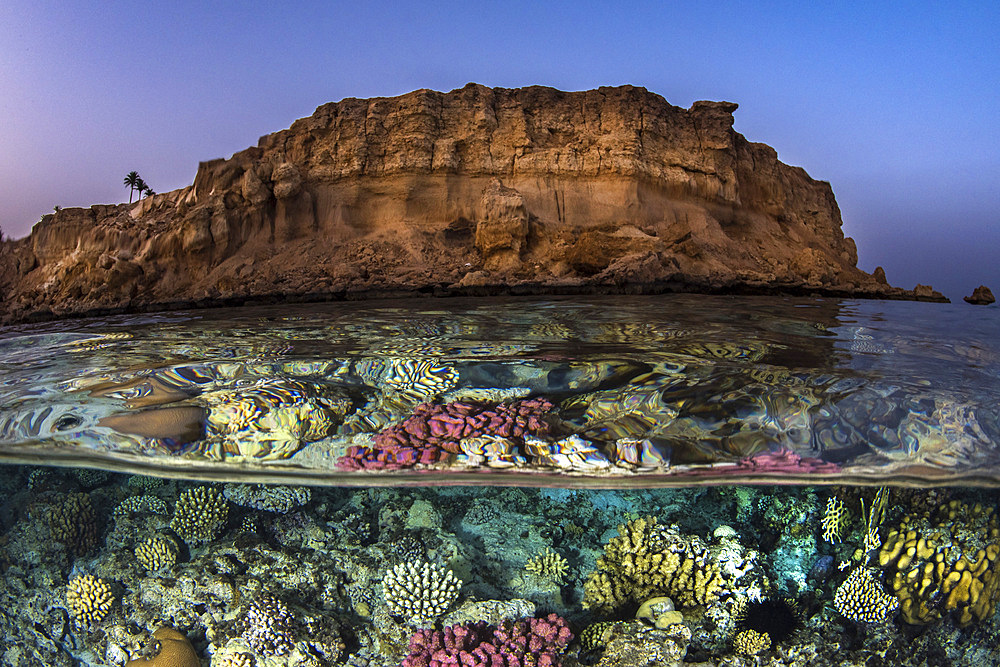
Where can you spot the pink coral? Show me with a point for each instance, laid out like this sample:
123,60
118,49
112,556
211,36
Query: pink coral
529,641
432,433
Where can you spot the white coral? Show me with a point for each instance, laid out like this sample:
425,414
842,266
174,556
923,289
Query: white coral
419,591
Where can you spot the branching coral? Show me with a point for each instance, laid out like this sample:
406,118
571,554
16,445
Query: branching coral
89,599
200,514
548,565
419,591
531,641
646,560
73,523
157,552
433,432
268,626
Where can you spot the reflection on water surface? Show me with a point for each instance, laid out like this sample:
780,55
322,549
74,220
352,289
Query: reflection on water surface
639,391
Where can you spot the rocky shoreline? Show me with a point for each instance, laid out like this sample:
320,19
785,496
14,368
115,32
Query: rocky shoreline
478,191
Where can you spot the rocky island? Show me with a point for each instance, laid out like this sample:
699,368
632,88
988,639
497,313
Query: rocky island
476,191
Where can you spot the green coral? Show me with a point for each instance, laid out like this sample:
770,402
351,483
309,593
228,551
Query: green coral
646,560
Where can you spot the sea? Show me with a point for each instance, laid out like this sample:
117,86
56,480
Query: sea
590,480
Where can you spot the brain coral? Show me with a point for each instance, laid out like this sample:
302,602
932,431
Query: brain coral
945,564
646,560
89,599
200,514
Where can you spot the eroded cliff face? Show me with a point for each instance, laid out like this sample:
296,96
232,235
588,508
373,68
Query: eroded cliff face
477,190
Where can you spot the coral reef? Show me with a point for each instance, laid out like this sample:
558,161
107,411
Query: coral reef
834,519
280,499
157,552
532,641
630,643
432,433
88,599
419,591
862,598
268,626
232,659
200,514
73,523
945,564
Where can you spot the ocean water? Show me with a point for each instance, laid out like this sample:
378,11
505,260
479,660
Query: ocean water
662,480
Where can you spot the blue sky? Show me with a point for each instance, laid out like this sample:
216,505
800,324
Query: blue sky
895,104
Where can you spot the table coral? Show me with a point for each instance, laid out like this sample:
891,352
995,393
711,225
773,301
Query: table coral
89,599
944,565
528,641
646,560
432,433
200,514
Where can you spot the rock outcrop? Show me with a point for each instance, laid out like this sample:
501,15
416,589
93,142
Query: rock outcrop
477,190
981,296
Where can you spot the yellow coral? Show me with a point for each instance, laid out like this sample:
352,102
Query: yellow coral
548,565
200,514
949,564
861,598
834,519
157,552
89,599
751,642
646,560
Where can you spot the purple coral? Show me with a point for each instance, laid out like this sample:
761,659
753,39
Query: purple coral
432,433
529,641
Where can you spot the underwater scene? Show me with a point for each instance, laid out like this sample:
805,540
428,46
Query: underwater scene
611,481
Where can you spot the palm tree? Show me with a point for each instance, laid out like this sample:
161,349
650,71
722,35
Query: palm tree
148,191
132,180
140,185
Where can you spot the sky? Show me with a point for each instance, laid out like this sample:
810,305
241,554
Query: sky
894,103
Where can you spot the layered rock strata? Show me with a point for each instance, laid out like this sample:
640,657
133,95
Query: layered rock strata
478,190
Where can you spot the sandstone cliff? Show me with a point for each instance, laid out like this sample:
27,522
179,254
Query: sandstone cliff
478,190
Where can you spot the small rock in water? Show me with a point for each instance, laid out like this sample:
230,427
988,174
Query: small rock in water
981,296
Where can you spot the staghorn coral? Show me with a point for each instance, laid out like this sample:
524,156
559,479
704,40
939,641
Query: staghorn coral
527,641
73,523
157,552
945,564
862,598
200,514
549,565
645,561
419,591
89,599
268,626
751,642
432,433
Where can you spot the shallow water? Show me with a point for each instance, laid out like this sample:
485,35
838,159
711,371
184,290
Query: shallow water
887,410
638,391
